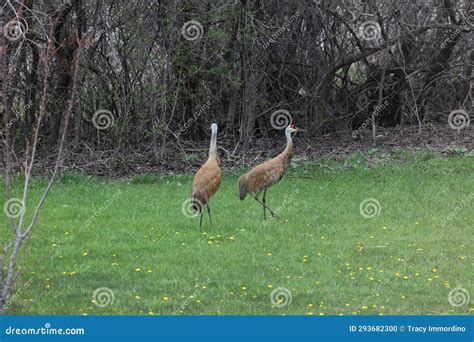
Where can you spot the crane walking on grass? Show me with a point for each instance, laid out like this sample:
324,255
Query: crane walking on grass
207,179
264,175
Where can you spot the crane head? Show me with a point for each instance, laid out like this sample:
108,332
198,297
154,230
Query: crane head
292,129
214,128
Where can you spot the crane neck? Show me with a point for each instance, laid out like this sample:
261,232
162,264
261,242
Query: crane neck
289,141
213,147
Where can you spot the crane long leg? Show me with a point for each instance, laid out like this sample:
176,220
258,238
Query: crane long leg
264,209
271,211
200,220
209,213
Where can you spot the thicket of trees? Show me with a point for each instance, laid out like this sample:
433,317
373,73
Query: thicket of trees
157,72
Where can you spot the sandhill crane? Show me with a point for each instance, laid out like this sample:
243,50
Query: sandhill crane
207,179
264,175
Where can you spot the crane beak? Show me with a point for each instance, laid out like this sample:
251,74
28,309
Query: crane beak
300,130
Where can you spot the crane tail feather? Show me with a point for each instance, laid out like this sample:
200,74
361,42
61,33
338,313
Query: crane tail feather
242,187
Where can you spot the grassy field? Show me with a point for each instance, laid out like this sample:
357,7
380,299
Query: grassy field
131,237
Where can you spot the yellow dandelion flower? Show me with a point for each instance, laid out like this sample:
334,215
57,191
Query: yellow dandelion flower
269,286
150,313
405,277
397,274
243,288
85,254
138,269
166,298
137,297
231,238
364,307
310,305
310,313
149,271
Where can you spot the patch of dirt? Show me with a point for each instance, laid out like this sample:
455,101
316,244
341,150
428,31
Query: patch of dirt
187,157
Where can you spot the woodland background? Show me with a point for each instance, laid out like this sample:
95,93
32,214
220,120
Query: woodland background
163,71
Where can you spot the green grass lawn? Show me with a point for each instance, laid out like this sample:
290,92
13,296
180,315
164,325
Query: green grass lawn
130,236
